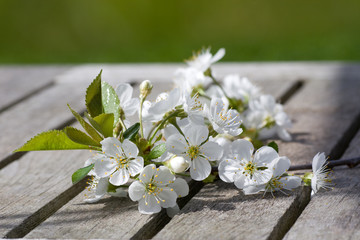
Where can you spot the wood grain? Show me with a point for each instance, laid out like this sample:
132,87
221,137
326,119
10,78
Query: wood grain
113,218
119,218
20,82
318,107
334,214
326,116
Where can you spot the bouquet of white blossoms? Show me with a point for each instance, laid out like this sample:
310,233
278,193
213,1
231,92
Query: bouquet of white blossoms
201,129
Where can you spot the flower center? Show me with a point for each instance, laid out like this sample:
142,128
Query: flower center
151,188
269,122
122,162
193,152
250,168
275,183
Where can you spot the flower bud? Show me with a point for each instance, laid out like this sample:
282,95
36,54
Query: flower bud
145,88
178,164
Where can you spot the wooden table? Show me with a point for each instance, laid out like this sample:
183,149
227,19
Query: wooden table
38,200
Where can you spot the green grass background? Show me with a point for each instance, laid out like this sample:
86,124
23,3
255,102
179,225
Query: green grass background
70,31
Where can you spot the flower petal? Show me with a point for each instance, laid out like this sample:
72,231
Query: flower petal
120,177
163,175
239,181
196,134
261,177
104,167
318,161
176,144
129,148
283,134
253,189
265,155
290,182
124,92
181,187
149,205
131,106
228,169
147,173
172,211
242,148
219,55
136,165
200,169
212,151
279,166
136,191
167,197
110,146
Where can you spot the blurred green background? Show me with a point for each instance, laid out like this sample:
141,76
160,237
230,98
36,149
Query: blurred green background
70,31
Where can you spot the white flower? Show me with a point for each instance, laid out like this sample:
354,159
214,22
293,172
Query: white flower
203,60
157,188
196,150
240,88
278,181
194,108
128,104
268,116
188,78
321,173
164,103
118,161
244,169
225,143
97,188
223,120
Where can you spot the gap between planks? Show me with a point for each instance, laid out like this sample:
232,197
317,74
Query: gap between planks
183,223
147,224
150,229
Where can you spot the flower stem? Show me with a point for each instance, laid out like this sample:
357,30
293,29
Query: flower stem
219,85
161,125
140,116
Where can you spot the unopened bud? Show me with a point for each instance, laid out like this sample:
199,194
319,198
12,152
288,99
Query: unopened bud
178,164
145,88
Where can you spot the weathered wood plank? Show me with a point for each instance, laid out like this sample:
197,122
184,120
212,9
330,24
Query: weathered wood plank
20,82
315,110
112,218
42,112
30,183
333,214
326,116
41,181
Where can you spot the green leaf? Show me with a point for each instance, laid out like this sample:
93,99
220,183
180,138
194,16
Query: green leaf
93,97
88,128
80,137
106,121
274,146
110,101
157,151
51,140
102,123
131,132
81,173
